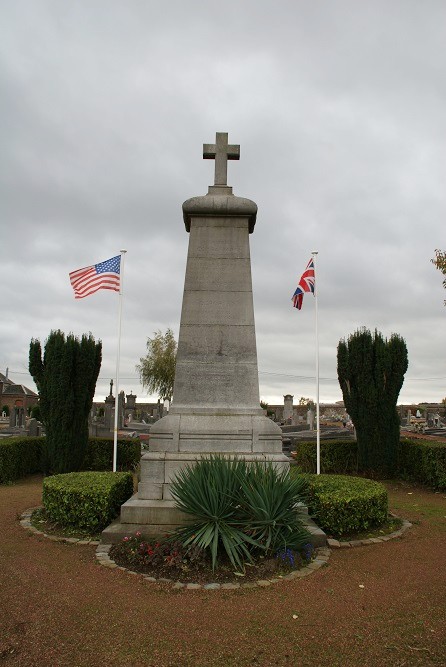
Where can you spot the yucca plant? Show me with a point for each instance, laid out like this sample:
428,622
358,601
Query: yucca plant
268,507
239,507
210,493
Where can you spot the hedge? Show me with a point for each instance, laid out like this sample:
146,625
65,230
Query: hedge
23,456
424,461
100,454
88,501
20,457
337,456
341,504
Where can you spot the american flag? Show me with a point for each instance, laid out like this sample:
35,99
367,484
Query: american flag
90,279
306,284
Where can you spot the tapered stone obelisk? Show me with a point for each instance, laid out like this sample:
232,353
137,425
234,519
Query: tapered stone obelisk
216,405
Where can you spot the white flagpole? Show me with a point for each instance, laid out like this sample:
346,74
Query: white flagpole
118,354
318,429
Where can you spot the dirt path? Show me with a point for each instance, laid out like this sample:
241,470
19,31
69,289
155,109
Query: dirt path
59,608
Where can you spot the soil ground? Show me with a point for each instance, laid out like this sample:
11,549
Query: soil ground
383,604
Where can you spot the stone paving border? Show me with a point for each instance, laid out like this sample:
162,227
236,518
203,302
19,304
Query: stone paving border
25,521
336,544
321,559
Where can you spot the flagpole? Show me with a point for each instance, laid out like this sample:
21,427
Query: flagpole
118,355
318,429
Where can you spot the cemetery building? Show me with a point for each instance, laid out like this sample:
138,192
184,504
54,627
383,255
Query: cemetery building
18,398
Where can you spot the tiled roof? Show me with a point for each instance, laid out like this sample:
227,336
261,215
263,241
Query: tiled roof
5,380
14,389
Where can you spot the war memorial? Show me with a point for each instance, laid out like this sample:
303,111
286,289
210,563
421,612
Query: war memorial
216,404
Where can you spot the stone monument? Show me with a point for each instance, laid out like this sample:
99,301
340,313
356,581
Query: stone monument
287,407
216,403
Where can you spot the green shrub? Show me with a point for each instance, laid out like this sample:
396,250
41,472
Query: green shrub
237,507
65,377
267,506
424,461
371,372
20,457
100,454
86,500
337,456
342,505
24,456
36,412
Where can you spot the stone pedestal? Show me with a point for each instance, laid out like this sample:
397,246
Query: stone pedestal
216,403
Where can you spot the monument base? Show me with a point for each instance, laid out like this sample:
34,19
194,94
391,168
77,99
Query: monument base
152,515
179,440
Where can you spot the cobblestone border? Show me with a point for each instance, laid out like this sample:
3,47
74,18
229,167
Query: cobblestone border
322,556
103,558
336,544
321,559
25,521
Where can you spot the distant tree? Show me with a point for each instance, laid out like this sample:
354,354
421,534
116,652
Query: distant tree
269,412
440,262
157,369
36,412
371,373
66,380
308,402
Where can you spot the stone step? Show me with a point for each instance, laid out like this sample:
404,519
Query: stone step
318,537
116,531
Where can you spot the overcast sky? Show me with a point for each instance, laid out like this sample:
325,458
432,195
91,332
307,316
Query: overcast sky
339,108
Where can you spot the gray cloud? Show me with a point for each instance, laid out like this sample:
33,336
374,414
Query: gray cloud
339,110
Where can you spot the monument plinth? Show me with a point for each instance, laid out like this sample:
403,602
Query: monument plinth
216,403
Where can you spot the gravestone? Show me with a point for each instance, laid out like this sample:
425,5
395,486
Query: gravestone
216,402
33,427
310,419
287,407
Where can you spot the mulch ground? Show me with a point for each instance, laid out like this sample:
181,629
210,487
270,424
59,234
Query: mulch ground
59,607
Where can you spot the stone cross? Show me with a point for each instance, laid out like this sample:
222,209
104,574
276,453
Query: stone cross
221,152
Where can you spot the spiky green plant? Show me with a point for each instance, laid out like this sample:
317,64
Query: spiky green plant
238,507
209,493
268,507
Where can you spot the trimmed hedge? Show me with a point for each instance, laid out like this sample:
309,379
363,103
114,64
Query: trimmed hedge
86,500
100,454
424,461
341,504
20,457
337,456
24,456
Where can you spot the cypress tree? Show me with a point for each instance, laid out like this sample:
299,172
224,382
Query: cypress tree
371,373
66,380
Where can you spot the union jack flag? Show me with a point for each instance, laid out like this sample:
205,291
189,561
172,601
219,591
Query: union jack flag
306,284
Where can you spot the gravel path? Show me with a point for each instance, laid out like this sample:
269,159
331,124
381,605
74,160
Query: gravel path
383,604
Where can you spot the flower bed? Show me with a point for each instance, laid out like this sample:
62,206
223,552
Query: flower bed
169,559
